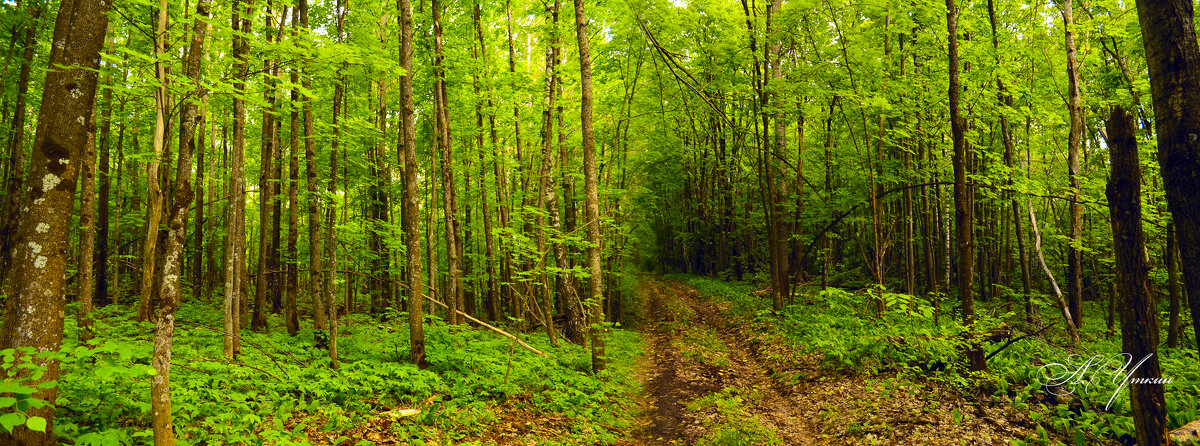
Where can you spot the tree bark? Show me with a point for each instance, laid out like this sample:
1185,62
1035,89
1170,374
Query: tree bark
962,212
1171,258
17,165
33,314
1075,110
160,401
449,189
1173,59
154,200
1139,316
235,246
316,273
87,236
411,207
591,190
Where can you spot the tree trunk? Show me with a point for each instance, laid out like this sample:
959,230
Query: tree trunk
546,191
291,317
162,112
1173,59
164,431
104,185
411,208
591,189
1139,317
17,166
235,246
1072,329
449,189
1075,109
39,255
87,237
962,212
1171,258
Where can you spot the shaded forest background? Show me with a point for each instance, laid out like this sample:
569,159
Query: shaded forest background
319,160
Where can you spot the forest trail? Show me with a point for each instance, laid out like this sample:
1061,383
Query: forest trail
703,381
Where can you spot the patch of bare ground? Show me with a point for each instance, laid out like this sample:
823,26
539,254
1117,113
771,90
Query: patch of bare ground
694,354
884,409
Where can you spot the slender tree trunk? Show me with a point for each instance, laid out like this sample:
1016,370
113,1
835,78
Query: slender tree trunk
1075,110
962,212
449,189
164,431
313,200
39,255
411,208
1072,329
1171,258
1139,317
16,150
162,111
100,259
291,316
235,246
87,236
545,184
591,189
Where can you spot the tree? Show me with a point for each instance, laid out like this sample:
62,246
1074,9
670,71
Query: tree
177,216
962,211
235,241
591,189
33,315
1173,59
1139,317
412,217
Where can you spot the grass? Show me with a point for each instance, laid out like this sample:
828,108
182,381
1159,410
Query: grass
283,391
902,339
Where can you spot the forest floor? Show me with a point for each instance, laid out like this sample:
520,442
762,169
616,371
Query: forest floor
714,375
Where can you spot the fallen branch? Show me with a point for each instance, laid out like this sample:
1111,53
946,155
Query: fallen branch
1014,340
490,327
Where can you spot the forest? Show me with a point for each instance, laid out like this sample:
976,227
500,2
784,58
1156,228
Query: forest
628,222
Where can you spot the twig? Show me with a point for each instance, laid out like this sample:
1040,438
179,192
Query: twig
1014,340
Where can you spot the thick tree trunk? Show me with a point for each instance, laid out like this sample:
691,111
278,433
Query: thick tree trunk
1139,317
1173,58
39,254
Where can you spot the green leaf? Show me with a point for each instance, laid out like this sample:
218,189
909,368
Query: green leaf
11,420
36,424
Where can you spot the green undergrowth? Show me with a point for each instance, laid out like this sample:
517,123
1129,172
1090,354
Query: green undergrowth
733,424
871,332
282,390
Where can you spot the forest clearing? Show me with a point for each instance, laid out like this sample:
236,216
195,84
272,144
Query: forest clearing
629,222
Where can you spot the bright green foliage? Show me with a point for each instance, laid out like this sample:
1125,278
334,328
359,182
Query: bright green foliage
841,327
281,388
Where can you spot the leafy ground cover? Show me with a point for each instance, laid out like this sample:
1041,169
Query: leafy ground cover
479,389
886,370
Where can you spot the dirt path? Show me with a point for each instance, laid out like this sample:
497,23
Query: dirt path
704,382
